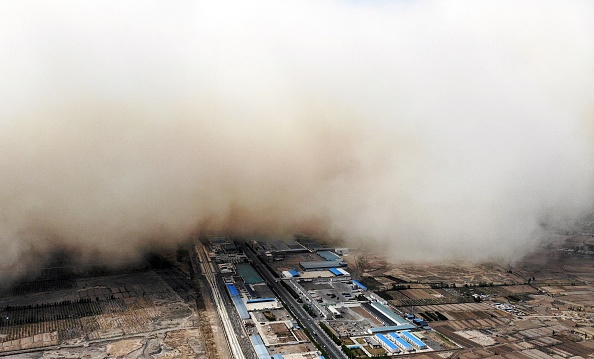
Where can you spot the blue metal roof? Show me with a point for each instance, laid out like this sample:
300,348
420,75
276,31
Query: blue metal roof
343,271
232,290
239,305
414,339
277,356
241,309
260,300
386,341
294,273
355,282
401,341
335,271
259,347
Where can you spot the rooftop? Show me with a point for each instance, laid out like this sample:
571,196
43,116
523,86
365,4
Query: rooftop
390,328
329,256
401,341
386,341
248,273
322,264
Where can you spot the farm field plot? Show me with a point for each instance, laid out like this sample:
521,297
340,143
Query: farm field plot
424,296
94,310
453,274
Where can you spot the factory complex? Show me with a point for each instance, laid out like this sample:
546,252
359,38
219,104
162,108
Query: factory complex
317,278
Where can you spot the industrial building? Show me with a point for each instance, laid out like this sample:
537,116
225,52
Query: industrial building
412,339
222,243
358,284
420,322
385,315
401,342
335,313
387,344
238,302
248,273
293,273
329,256
310,243
277,246
393,317
289,246
339,272
390,328
262,304
321,265
341,251
259,347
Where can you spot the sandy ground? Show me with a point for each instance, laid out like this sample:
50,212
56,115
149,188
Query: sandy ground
122,348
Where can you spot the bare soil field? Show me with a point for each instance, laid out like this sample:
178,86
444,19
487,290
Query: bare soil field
458,274
539,307
365,314
126,315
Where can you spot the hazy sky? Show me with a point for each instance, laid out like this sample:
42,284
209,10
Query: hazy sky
433,128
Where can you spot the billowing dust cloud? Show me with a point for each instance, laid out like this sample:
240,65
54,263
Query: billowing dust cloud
431,129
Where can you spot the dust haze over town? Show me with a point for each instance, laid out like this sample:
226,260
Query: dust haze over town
439,130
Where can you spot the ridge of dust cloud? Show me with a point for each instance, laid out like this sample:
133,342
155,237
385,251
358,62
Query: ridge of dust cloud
435,129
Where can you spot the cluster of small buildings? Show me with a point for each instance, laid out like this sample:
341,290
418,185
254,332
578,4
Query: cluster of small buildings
510,308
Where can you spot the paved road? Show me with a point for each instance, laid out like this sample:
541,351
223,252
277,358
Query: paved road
312,302
332,350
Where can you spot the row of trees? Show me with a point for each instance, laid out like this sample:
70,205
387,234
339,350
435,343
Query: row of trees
50,312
